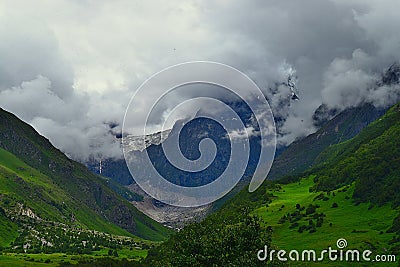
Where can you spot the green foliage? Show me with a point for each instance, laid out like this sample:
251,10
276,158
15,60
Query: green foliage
103,262
214,242
229,237
359,224
8,230
371,159
61,259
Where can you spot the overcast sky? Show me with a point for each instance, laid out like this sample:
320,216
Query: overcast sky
69,68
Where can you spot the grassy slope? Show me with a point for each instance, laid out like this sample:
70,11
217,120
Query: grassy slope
38,192
55,179
333,154
55,259
371,160
8,231
358,224
367,166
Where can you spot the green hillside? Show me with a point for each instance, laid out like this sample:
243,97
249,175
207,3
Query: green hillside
57,188
351,193
371,160
313,220
21,184
303,154
50,204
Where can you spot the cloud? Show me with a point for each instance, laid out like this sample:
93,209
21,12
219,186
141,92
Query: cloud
69,68
346,83
353,81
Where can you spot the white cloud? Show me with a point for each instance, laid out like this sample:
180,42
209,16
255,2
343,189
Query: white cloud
80,61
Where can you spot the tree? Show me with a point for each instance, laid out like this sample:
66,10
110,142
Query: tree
214,242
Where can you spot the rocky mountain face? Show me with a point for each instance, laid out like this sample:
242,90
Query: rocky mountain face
116,169
189,139
170,216
392,75
190,133
140,143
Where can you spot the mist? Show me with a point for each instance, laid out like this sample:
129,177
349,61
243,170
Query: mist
69,68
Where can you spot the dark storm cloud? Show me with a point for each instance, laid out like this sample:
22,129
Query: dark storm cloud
70,68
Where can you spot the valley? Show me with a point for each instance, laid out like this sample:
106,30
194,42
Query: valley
45,222
350,193
41,223
199,133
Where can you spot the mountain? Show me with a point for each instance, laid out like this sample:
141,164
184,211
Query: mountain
41,187
350,193
121,181
139,143
333,127
301,154
190,137
293,159
116,169
371,160
190,132
391,75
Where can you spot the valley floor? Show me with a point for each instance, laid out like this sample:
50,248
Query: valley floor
57,259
